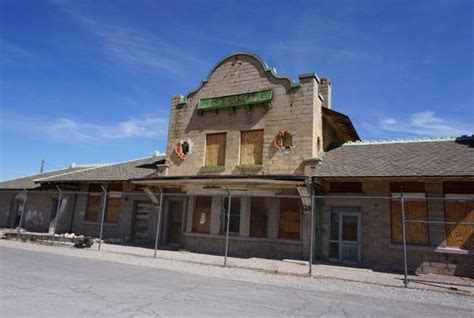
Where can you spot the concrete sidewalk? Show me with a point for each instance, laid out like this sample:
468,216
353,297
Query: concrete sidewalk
144,257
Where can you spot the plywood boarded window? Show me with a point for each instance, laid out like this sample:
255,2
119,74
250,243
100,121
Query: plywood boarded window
215,149
289,224
251,147
258,217
459,211
202,214
346,187
415,210
93,203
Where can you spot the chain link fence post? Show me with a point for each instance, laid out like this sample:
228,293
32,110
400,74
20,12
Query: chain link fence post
227,228
311,242
22,214
58,208
158,223
104,205
405,264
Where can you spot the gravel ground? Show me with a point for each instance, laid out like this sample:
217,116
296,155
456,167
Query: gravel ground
459,300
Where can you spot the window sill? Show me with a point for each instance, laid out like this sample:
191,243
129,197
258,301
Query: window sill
98,223
212,169
441,249
244,238
253,167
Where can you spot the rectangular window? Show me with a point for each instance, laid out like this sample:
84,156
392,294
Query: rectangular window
289,224
94,203
202,215
258,217
215,149
346,187
114,203
234,223
251,147
415,210
459,208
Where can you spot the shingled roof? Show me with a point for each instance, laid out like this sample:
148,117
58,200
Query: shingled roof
121,171
28,181
402,158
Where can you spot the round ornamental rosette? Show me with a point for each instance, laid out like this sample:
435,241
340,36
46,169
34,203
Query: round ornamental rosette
183,149
285,141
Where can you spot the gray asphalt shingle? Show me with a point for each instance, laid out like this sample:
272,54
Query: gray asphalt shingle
399,159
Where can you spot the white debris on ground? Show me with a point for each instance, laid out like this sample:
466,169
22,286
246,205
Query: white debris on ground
327,285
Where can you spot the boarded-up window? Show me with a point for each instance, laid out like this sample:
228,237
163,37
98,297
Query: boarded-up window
403,187
289,224
215,149
114,202
459,210
346,187
258,217
234,223
202,215
458,187
93,203
415,210
251,147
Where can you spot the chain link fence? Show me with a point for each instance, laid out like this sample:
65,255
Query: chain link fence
388,240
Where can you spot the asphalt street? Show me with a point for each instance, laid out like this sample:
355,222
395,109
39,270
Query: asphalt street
47,285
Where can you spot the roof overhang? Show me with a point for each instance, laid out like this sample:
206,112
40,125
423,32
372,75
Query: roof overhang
341,124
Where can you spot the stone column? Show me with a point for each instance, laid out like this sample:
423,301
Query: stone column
216,209
273,218
190,214
245,216
435,206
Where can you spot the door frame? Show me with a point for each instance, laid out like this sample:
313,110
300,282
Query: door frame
342,211
167,218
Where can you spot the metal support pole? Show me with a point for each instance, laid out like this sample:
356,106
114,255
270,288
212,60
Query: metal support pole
311,241
22,214
404,241
158,222
103,215
58,208
227,227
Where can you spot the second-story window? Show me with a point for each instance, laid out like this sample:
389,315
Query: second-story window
215,149
251,148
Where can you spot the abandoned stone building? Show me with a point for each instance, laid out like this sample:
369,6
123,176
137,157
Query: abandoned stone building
271,143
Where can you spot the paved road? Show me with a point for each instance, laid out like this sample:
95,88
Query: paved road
46,285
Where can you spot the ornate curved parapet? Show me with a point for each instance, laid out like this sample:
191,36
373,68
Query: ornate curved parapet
262,63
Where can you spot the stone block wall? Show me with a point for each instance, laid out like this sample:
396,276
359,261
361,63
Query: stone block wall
297,109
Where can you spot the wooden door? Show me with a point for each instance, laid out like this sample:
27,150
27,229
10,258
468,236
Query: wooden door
459,235
140,230
175,218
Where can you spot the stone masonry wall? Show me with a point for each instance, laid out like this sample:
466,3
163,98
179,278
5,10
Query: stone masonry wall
294,109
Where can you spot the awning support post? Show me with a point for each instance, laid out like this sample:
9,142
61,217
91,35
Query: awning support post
103,215
58,208
22,214
227,227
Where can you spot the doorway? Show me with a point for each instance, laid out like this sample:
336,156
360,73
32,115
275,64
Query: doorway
345,235
175,221
140,228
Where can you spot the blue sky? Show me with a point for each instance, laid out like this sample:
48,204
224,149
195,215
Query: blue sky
91,81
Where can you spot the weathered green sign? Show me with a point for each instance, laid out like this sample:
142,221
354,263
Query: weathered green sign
233,101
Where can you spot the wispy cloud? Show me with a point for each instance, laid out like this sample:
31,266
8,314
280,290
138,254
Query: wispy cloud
133,45
425,123
68,129
145,127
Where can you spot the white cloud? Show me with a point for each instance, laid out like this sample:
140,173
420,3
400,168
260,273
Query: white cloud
145,127
426,124
133,45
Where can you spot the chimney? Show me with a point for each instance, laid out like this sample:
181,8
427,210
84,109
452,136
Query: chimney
325,90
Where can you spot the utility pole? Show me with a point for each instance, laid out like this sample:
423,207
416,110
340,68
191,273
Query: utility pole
42,165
